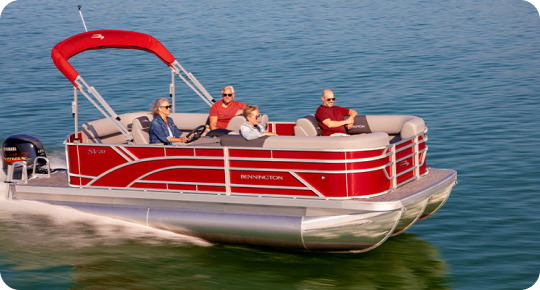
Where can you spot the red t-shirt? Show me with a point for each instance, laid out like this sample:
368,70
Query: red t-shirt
334,113
225,114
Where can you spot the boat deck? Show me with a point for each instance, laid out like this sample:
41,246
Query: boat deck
410,189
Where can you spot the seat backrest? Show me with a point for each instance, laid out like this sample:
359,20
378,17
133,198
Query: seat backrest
104,131
186,122
405,125
307,126
236,122
140,130
263,122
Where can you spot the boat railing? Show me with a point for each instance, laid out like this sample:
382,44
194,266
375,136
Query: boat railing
11,169
418,154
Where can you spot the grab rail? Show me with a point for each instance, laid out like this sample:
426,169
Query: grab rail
48,166
11,171
418,161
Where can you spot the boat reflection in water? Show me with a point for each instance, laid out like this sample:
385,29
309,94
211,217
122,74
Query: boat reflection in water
62,248
404,262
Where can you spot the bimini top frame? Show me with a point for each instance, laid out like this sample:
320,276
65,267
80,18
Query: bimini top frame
100,39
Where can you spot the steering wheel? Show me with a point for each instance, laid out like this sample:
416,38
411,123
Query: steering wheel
196,133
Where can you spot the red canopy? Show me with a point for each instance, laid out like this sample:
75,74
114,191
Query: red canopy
104,39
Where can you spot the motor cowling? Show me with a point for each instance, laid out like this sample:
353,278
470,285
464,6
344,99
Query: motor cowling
23,147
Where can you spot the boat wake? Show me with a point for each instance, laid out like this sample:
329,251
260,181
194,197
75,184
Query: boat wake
57,159
36,226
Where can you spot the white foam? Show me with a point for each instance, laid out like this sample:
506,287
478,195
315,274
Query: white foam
57,159
39,225
2,173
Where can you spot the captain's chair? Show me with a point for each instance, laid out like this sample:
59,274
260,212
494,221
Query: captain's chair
140,130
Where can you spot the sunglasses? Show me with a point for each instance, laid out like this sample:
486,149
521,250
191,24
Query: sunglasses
330,99
166,107
257,116
227,95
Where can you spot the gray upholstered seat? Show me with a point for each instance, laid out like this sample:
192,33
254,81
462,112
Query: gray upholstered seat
103,131
307,126
235,123
140,130
186,122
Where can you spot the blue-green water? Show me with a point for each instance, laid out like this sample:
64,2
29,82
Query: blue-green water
470,69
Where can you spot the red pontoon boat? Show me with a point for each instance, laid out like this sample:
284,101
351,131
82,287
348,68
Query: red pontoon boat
296,190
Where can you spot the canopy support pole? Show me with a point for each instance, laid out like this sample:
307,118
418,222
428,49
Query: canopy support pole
75,113
172,93
105,109
194,84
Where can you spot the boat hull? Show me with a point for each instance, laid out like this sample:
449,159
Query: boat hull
355,225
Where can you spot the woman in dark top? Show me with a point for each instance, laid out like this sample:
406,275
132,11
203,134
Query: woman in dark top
162,129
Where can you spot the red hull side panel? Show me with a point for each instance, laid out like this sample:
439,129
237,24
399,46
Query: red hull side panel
243,177
98,159
368,183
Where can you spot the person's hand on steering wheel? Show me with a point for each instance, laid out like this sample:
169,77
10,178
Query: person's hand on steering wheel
197,132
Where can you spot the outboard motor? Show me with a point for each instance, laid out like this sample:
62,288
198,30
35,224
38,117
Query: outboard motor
23,147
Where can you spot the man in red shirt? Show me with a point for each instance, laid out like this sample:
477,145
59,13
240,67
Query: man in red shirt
223,111
332,118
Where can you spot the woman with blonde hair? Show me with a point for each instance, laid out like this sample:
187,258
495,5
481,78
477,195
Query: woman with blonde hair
250,129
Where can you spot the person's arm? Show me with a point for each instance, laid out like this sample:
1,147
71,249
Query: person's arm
264,133
333,124
249,133
269,134
349,122
240,108
178,135
181,139
352,114
158,132
213,122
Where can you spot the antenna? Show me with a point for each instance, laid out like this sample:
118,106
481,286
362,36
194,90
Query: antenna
80,12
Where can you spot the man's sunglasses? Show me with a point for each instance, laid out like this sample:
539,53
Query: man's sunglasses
227,95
